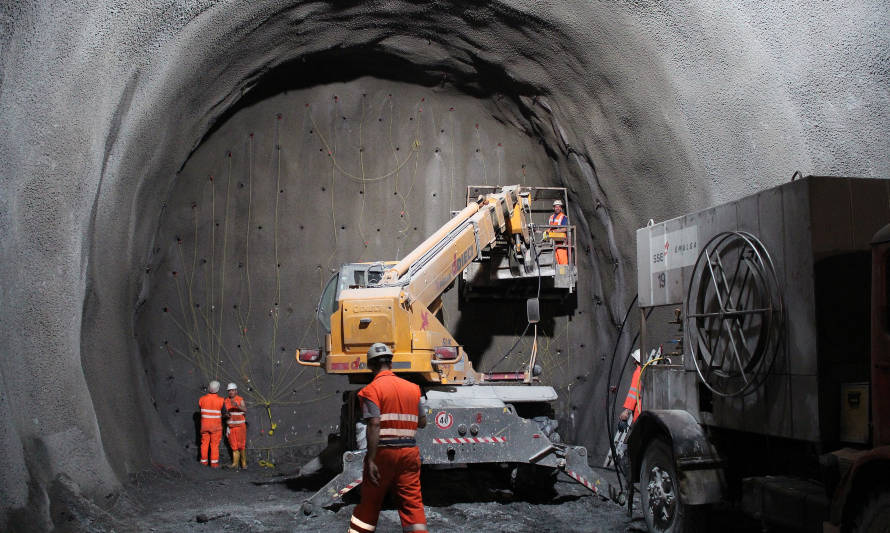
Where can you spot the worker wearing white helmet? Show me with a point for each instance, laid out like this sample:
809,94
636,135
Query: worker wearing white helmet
237,426
632,403
211,406
393,409
558,220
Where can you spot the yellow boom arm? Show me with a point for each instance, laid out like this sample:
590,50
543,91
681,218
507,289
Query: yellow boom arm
400,309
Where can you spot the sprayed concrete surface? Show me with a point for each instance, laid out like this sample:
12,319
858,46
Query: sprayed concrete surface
111,111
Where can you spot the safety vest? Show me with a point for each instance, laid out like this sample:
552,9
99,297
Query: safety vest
558,220
632,401
233,406
211,412
398,400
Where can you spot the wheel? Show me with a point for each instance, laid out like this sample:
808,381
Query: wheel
659,492
875,514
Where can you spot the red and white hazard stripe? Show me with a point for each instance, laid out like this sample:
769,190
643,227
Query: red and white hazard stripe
582,480
469,440
349,487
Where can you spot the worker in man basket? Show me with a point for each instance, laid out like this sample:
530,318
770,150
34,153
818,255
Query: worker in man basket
393,410
236,429
212,407
558,218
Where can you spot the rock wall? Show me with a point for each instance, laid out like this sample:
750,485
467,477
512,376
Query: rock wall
642,111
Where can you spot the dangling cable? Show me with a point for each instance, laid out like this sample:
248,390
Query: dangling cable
537,296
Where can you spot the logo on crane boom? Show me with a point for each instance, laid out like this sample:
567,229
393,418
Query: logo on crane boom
458,262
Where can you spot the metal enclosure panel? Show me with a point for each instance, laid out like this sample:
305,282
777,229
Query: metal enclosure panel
880,342
846,213
798,223
832,215
670,387
805,407
644,273
800,310
871,208
772,222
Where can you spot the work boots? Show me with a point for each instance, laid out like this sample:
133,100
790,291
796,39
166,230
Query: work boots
243,455
235,459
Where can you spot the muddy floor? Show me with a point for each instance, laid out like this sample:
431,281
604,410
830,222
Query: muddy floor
197,499
194,499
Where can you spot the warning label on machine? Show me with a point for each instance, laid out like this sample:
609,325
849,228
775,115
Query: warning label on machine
444,420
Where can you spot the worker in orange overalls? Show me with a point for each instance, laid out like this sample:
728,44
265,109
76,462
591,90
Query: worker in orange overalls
212,407
632,404
236,429
393,409
558,218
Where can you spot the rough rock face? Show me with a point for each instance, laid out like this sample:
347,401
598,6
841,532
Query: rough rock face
641,111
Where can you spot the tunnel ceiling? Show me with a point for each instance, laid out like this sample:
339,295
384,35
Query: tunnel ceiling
643,111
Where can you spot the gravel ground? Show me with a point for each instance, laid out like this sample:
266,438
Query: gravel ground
262,500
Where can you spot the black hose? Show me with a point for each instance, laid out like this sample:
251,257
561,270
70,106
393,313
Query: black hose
527,324
610,414
606,403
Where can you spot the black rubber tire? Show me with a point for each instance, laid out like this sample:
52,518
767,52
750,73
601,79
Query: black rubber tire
658,460
874,517
533,482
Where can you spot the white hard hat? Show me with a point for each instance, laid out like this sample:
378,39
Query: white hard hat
213,386
636,355
378,349
232,386
557,203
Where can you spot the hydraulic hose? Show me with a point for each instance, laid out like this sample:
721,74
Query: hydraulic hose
527,324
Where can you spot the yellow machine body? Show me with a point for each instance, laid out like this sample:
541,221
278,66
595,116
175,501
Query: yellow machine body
398,305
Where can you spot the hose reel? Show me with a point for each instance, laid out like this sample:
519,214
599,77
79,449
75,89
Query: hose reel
734,312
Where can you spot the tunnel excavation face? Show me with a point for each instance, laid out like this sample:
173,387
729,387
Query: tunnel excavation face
312,138
278,196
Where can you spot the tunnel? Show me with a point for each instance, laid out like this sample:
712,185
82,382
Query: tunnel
181,179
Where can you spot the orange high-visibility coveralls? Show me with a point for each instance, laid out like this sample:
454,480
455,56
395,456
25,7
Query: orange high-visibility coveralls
211,427
398,458
632,401
237,430
562,254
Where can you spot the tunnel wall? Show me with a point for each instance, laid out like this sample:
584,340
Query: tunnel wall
647,111
275,199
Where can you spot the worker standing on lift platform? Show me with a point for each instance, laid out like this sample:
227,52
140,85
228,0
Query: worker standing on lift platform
392,406
558,218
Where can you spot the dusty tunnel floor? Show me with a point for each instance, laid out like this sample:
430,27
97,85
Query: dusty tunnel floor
196,499
262,499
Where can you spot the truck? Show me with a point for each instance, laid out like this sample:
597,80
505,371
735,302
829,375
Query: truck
495,418
775,397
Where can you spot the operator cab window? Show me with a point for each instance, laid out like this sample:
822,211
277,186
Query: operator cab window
328,304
